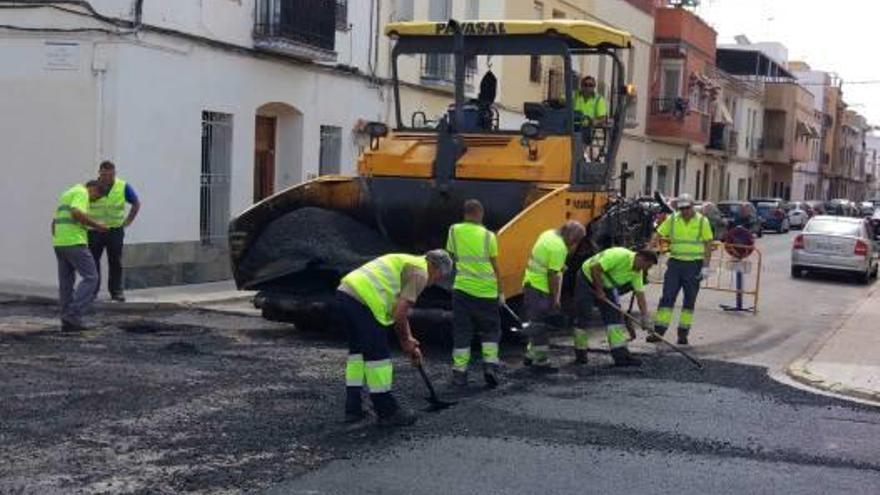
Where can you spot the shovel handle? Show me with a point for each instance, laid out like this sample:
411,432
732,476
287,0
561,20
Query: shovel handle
427,382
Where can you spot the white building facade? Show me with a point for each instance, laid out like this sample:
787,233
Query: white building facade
204,107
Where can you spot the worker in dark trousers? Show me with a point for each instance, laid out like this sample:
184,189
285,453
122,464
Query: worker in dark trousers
689,237
476,294
542,288
110,210
373,299
599,280
70,240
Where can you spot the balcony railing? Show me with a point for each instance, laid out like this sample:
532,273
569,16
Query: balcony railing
311,23
774,143
676,107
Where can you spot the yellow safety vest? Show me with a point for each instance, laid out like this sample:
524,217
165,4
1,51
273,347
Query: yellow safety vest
110,210
378,283
686,239
548,254
594,107
67,230
472,244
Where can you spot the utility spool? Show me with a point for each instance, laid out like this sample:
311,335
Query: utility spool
739,243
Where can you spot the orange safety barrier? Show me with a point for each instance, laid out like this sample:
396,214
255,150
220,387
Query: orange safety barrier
730,273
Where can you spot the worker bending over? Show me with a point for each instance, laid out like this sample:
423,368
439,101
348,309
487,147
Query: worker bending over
689,236
476,294
71,242
542,288
373,298
600,279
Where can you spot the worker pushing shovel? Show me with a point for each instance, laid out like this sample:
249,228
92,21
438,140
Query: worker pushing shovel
372,299
598,282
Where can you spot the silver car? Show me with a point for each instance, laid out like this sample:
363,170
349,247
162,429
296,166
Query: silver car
835,244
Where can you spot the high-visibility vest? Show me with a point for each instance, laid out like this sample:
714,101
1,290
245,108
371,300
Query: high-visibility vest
621,273
110,210
548,249
471,244
686,241
593,107
378,283
67,231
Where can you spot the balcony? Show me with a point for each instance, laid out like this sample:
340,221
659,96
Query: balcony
723,138
673,118
301,28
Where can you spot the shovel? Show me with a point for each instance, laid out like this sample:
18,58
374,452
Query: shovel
650,331
434,402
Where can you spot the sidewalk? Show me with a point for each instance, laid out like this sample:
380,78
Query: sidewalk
221,296
847,361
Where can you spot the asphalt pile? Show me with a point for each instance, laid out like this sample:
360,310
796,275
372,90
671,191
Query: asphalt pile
313,241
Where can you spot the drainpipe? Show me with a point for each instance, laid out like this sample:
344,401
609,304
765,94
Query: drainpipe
99,68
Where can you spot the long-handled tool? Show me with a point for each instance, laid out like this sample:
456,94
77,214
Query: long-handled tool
434,402
519,325
653,333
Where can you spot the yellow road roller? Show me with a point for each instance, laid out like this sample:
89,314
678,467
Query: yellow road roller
415,173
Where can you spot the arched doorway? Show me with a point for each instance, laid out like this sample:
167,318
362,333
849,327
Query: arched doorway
277,148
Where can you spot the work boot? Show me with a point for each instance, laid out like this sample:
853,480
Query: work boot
117,297
71,327
459,379
490,375
527,361
400,417
544,368
622,357
580,356
682,337
354,411
655,337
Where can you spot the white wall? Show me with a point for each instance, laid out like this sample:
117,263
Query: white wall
154,88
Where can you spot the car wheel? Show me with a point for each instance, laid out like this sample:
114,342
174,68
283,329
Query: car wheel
760,232
863,278
875,272
797,272
786,226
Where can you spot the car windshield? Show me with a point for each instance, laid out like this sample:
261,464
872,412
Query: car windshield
833,227
765,206
730,209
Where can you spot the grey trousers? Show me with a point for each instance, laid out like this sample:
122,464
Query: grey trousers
73,260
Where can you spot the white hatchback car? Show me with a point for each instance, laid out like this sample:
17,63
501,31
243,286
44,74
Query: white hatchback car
835,244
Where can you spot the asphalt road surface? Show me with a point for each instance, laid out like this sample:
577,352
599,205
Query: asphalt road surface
199,402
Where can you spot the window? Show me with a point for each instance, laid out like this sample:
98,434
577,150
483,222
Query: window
555,84
535,69
306,22
342,15
439,66
649,180
472,11
699,183
741,189
331,150
404,10
215,177
670,84
661,178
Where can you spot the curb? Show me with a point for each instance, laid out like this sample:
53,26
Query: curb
798,372
126,307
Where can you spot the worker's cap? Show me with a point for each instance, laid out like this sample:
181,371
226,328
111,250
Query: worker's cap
441,260
684,201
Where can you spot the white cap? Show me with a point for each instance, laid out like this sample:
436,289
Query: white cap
684,201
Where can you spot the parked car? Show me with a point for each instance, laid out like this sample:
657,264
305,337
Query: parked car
741,214
773,213
835,244
798,215
713,215
817,206
866,209
806,206
841,208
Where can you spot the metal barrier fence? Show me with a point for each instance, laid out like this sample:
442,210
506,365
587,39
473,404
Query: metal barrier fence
730,274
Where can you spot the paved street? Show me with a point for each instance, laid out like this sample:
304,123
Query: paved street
185,401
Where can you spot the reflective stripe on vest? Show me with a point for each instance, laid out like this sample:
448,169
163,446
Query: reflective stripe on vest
378,283
686,249
110,210
67,231
474,273
539,262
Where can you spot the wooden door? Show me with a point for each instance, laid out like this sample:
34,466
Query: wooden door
264,158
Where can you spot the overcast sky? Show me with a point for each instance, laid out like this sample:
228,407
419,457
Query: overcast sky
841,36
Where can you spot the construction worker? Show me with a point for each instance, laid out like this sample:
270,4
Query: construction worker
689,236
70,241
373,298
476,294
589,103
110,210
598,282
542,288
